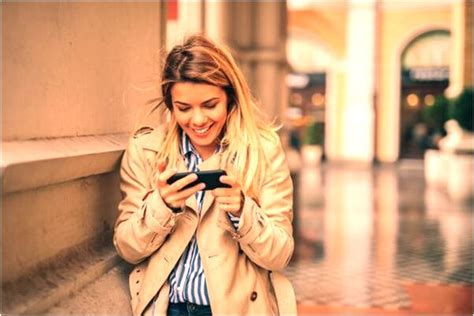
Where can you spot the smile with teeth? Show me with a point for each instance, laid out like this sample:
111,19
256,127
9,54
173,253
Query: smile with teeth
201,131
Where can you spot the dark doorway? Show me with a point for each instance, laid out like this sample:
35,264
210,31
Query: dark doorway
424,76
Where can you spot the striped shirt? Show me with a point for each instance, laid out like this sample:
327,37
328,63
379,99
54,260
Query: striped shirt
187,280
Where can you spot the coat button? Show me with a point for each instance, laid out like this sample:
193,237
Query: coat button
253,297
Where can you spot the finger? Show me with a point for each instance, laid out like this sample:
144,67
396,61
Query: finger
219,192
164,176
181,183
229,207
179,198
228,180
226,191
185,194
228,199
162,166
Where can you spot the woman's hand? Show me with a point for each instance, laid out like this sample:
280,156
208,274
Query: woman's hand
231,199
171,194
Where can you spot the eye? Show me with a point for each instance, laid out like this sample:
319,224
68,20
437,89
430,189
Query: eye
183,109
210,106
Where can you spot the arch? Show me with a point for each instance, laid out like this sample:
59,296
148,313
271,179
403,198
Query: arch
303,35
327,24
396,88
407,51
413,36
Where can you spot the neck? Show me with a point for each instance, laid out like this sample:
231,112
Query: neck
206,152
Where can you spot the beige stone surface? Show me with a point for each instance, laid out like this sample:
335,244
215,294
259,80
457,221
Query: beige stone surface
108,295
32,164
38,224
77,68
64,276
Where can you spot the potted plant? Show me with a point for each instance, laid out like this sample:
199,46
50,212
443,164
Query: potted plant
461,110
458,145
313,140
435,117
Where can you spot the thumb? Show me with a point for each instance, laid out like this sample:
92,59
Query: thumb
162,166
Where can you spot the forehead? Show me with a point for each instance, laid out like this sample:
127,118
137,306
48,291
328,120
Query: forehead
189,92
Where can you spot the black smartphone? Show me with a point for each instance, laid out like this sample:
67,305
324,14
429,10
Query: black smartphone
209,177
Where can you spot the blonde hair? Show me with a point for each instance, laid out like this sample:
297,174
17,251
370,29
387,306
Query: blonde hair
200,60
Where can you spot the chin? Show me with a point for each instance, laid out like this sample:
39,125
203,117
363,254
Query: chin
204,143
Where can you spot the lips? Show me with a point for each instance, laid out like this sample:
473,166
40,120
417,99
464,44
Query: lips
201,131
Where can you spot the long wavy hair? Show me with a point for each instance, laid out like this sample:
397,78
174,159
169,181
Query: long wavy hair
200,60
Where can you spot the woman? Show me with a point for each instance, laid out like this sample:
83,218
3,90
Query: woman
200,252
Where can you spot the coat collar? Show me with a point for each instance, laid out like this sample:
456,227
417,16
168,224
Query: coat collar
152,140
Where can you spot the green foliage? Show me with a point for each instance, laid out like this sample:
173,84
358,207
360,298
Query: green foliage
460,109
436,115
314,134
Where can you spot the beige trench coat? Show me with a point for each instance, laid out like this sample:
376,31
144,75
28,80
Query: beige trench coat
236,263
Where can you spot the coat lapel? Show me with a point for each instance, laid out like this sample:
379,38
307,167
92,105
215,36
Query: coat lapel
152,141
162,262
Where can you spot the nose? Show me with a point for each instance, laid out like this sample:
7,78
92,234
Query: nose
199,118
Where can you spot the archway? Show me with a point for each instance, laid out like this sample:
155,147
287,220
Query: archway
424,76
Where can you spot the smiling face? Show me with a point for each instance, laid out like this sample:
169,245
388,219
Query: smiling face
201,112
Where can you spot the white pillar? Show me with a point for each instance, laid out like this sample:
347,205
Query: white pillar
189,21
460,72
358,126
456,69
216,20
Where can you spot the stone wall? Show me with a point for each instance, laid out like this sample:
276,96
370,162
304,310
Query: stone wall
76,78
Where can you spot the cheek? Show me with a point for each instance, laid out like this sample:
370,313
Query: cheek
181,118
220,116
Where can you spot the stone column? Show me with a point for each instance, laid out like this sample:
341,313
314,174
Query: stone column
256,33
358,117
73,76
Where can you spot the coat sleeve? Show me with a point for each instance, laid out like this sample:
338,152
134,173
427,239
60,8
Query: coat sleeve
144,220
265,230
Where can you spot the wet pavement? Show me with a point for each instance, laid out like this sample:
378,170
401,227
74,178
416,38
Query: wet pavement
367,236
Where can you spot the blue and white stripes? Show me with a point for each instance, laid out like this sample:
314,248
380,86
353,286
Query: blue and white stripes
187,280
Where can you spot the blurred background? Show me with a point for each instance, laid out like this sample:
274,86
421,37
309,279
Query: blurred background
375,100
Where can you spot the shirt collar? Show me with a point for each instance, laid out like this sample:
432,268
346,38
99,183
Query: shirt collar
187,147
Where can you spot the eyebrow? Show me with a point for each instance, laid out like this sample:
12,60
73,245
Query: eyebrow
207,101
